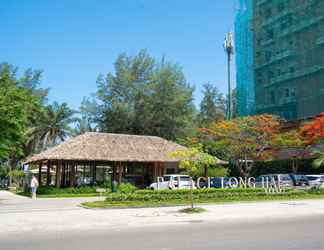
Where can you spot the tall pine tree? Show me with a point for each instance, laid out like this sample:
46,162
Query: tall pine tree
145,97
212,106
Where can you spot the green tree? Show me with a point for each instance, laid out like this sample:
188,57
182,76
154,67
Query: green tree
168,108
18,104
234,104
212,106
87,121
195,162
54,125
122,94
82,126
145,97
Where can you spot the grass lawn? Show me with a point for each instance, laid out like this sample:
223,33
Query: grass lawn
138,204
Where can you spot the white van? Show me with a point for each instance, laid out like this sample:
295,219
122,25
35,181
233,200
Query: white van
174,181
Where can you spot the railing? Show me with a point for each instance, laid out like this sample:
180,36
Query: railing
278,57
295,28
260,2
297,74
320,41
305,24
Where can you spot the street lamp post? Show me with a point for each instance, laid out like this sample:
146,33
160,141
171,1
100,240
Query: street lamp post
229,49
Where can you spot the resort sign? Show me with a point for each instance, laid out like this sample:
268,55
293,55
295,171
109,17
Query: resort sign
271,184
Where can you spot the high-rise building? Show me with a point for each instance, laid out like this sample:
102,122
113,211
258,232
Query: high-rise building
289,57
244,58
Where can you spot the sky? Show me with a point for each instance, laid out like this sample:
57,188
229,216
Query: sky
73,41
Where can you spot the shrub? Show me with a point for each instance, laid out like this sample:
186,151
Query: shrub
17,177
70,190
126,188
183,194
316,190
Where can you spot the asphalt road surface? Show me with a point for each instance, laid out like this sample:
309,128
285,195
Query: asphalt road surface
305,233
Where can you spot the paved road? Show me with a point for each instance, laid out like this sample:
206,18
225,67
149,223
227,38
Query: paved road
305,234
62,224
10,203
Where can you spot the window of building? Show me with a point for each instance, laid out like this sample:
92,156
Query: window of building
286,92
292,69
283,26
270,75
268,55
270,34
281,7
273,97
259,41
268,13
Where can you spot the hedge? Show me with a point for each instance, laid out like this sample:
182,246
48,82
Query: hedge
199,194
76,190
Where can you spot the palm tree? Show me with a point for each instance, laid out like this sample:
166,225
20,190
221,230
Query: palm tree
54,126
83,125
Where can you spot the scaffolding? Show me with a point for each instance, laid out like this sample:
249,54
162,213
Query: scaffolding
288,57
244,58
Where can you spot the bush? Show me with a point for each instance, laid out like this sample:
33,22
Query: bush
72,190
198,194
17,177
126,188
316,190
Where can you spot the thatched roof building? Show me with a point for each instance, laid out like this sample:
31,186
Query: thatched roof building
104,147
91,157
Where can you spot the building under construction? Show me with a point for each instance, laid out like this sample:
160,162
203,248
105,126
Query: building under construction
280,57
288,52
244,58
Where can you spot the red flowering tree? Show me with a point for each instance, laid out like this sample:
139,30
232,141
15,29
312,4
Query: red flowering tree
313,132
243,140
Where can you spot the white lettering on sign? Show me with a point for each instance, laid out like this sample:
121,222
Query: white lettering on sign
269,183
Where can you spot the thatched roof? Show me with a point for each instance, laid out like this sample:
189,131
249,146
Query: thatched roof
104,147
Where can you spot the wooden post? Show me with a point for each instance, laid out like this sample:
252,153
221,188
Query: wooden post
114,172
63,174
155,172
120,172
161,169
94,172
72,175
58,175
48,175
40,174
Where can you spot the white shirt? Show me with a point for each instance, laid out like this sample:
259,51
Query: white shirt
34,183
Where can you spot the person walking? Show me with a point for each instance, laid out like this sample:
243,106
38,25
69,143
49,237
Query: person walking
34,185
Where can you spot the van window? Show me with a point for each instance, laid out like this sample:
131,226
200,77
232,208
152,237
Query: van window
184,178
313,178
166,178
